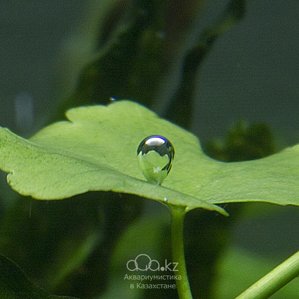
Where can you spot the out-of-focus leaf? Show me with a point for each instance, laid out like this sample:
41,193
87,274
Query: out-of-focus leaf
243,142
55,240
132,59
15,285
150,231
180,106
39,236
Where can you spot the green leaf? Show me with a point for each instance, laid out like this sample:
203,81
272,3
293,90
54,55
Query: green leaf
15,285
96,151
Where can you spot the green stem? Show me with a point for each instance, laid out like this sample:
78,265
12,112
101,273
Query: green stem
177,235
273,281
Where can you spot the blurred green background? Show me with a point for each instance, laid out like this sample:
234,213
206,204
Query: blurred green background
250,73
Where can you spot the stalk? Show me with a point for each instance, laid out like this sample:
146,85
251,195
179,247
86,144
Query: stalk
178,255
274,280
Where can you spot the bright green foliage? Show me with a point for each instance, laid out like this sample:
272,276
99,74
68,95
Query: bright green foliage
96,151
15,285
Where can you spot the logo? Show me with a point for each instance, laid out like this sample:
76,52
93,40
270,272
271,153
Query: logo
143,262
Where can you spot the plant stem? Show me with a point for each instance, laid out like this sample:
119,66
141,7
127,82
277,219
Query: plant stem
177,236
273,281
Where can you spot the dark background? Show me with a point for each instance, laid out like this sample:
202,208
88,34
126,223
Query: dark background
252,72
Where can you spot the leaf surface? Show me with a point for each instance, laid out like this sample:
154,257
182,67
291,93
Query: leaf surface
95,150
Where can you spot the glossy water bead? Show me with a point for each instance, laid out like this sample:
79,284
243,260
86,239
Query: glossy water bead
155,154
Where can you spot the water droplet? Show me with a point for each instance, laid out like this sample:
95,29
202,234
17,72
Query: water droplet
155,154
